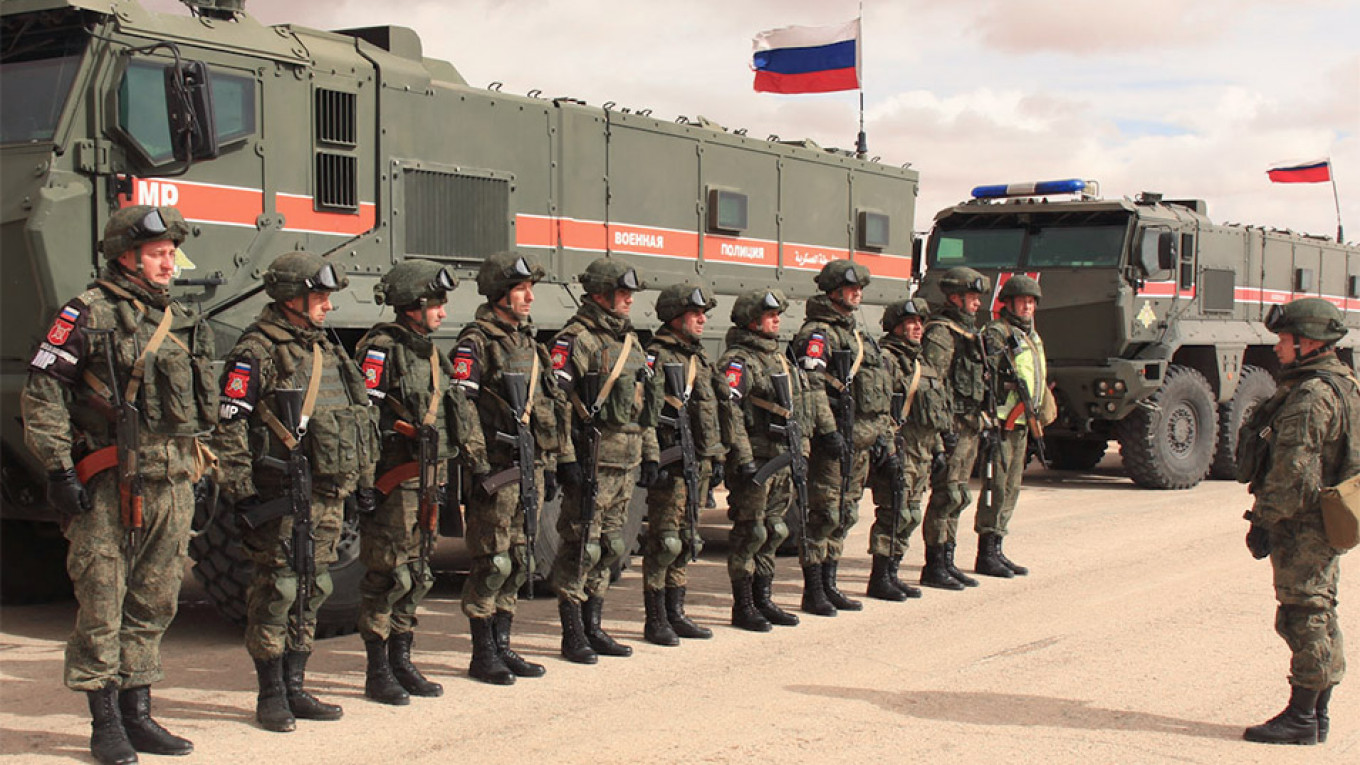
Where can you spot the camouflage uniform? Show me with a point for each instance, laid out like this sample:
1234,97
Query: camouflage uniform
832,513
757,510
1309,437
592,342
126,599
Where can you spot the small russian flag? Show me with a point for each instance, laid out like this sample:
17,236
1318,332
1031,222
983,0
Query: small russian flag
1317,171
70,314
807,59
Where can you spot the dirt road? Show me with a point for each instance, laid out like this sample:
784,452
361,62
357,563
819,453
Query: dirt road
1144,634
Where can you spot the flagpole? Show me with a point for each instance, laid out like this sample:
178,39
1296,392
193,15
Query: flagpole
862,141
1331,173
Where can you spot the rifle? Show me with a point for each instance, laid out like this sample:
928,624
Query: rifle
898,496
677,397
522,472
782,388
298,502
588,454
1012,372
428,440
842,362
128,436
989,438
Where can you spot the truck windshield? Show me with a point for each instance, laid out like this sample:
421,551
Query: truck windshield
38,63
1035,245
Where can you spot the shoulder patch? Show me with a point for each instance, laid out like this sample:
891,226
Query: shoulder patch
735,369
462,363
651,360
63,324
374,361
561,352
238,380
816,346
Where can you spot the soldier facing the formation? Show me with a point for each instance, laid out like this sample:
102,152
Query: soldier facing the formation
1018,354
684,384
600,366
1302,439
774,413
297,436
950,346
117,395
921,412
852,389
507,374
424,422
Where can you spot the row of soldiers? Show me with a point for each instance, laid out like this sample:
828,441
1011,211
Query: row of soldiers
123,409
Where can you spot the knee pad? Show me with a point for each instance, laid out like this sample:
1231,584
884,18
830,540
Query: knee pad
592,556
667,548
612,548
777,532
498,571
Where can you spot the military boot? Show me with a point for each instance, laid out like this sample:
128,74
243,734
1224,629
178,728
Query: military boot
880,581
592,612
744,612
143,732
762,588
304,705
487,665
575,647
1015,568
988,560
935,573
500,627
108,740
271,707
840,600
1324,721
1297,724
680,622
954,571
399,656
814,592
657,628
379,682
908,590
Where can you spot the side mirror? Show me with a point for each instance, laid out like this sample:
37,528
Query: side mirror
189,107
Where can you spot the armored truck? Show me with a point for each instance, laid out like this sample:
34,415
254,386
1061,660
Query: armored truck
1151,316
354,144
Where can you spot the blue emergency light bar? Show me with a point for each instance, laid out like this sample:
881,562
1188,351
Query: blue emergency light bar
1036,189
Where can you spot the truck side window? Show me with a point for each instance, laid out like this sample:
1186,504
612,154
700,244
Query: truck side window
1187,270
142,108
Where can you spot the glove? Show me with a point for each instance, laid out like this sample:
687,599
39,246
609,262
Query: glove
743,473
719,473
650,473
830,443
880,456
67,494
1258,541
939,463
951,440
366,500
549,486
570,474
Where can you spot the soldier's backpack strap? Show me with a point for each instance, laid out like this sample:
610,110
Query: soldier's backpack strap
290,440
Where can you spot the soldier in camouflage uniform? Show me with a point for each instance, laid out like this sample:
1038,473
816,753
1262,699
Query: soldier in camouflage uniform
669,541
126,583
599,340
501,341
830,327
1012,336
757,510
407,380
922,414
279,352
1304,438
950,346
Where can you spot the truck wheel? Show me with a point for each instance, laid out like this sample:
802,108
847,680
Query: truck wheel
1169,443
1080,454
34,557
224,572
1254,386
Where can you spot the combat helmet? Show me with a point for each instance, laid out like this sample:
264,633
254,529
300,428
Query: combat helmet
898,312
139,224
604,275
962,279
1310,317
294,274
1019,285
414,284
679,299
501,272
751,305
842,273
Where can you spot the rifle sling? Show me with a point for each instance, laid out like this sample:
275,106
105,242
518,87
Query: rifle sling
690,373
771,406
608,383
290,440
911,393
854,368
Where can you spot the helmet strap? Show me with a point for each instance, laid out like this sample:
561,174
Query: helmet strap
501,306
305,317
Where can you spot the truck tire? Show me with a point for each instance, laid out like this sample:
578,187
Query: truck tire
1169,444
1254,386
1081,454
34,563
224,572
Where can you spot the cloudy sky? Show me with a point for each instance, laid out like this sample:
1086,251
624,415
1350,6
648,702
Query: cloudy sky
1192,98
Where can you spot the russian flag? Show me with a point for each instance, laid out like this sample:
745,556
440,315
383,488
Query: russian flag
1318,171
807,59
